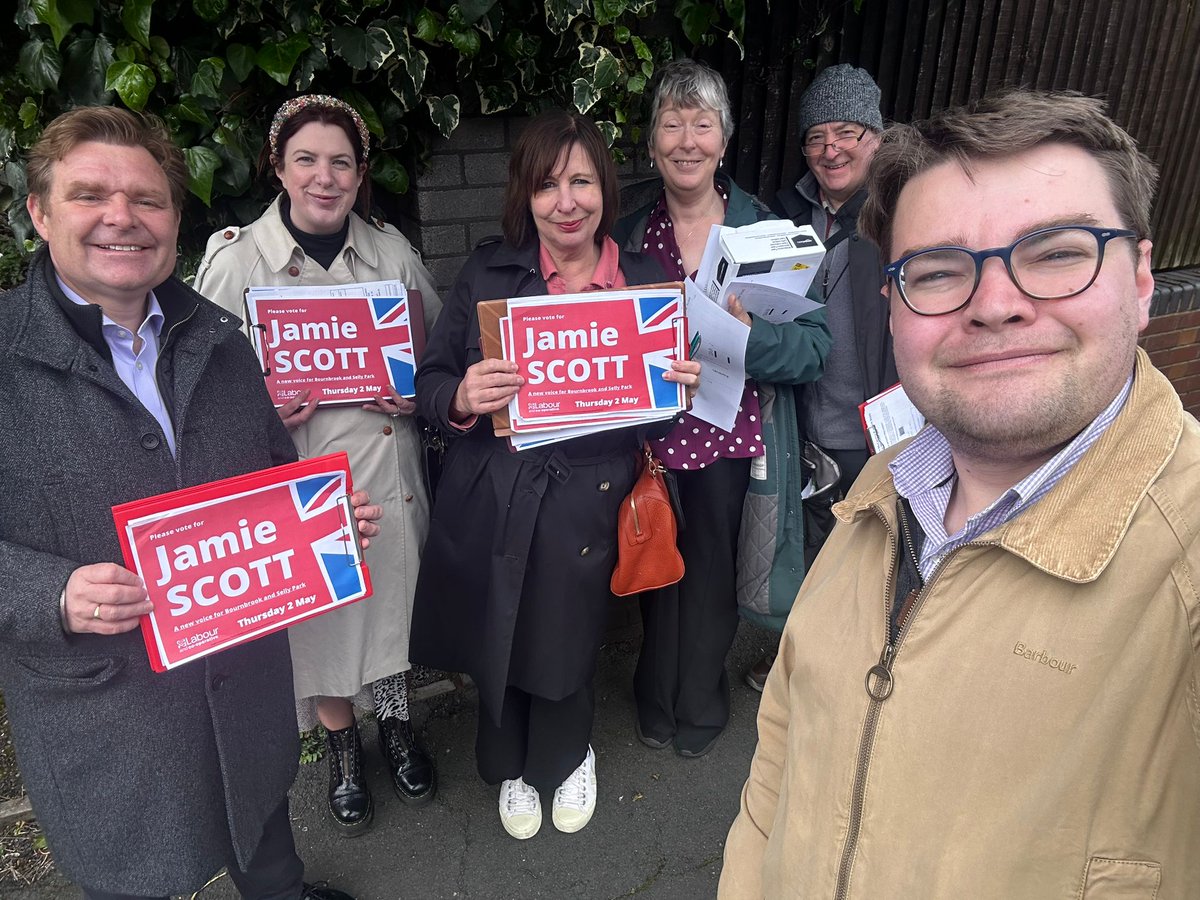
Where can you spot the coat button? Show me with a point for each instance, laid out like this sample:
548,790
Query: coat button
228,235
387,429
603,486
408,498
150,441
293,271
217,681
585,551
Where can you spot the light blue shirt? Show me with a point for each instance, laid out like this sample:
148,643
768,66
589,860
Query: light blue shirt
136,369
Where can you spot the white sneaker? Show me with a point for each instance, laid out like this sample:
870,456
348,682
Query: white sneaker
575,799
520,809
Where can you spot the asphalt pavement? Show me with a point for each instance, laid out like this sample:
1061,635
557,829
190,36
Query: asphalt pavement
658,832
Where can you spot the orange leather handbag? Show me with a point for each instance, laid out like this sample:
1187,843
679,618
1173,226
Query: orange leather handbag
647,555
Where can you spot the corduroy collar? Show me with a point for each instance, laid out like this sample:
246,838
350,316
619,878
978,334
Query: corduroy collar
1074,531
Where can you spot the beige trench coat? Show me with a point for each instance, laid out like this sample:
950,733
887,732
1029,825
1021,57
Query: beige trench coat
338,654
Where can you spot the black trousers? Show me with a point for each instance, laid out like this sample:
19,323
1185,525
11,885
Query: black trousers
540,740
680,685
275,872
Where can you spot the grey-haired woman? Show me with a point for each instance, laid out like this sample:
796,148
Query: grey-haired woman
681,687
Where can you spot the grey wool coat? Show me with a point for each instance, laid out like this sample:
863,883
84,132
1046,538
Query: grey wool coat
144,783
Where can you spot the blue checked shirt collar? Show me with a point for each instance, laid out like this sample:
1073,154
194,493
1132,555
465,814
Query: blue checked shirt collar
923,473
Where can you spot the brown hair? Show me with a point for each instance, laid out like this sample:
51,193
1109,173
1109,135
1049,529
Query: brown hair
536,155
1002,125
325,115
106,125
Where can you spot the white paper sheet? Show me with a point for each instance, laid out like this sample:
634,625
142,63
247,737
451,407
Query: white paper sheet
722,355
890,417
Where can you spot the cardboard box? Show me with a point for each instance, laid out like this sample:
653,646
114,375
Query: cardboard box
771,246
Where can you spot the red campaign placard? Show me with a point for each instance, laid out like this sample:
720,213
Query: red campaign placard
349,349
233,560
593,357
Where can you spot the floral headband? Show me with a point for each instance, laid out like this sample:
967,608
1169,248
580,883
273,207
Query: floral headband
308,101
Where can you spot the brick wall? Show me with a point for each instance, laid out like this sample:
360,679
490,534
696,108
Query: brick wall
1173,337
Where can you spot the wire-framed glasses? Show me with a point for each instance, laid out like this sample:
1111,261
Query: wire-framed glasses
845,142
1047,264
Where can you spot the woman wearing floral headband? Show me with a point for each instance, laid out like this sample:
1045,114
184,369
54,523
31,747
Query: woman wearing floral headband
317,232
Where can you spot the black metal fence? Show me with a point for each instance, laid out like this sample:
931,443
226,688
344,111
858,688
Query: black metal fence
1142,56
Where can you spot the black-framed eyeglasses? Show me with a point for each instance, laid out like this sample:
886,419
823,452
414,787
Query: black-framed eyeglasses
1047,264
846,142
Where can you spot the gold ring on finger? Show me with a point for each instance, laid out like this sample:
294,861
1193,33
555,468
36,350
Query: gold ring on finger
96,611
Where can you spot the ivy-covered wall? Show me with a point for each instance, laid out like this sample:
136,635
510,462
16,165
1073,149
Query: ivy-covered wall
216,70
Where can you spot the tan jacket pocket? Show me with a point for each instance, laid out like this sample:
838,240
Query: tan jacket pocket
1120,879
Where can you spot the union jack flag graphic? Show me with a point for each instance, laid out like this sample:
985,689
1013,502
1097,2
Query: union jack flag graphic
313,496
398,358
335,558
655,313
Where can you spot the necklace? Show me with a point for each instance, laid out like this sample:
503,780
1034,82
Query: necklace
706,219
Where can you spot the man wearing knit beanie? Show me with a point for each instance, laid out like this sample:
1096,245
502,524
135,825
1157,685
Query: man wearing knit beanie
838,125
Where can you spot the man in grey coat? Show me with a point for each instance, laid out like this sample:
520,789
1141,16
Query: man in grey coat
120,382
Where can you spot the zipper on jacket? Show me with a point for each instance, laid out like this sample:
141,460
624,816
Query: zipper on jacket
879,684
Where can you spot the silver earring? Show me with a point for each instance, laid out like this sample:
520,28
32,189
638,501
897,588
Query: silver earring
720,162
652,163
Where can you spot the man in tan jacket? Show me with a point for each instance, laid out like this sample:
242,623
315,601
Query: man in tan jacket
988,685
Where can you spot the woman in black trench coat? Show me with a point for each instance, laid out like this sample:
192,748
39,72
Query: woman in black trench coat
513,587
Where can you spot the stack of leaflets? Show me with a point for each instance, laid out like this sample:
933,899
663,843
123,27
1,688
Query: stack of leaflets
347,343
769,266
591,362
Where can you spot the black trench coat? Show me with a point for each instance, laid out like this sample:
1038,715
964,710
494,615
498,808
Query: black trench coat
513,588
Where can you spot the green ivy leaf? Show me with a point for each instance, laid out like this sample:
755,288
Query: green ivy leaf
210,10
389,174
40,64
444,112
85,61
585,94
234,177
528,70
622,34
202,162
278,58
589,55
473,10
312,61
559,14
428,26
62,15
360,48
497,97
415,64
467,42
696,17
190,109
132,81
608,11
241,61
610,131
736,10
135,16
636,83
640,48
382,47
126,52
207,80
159,47
608,70
364,108
28,112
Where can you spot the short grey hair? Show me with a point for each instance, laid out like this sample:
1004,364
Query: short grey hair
689,84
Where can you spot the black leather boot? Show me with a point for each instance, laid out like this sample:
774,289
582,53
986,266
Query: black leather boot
412,771
349,799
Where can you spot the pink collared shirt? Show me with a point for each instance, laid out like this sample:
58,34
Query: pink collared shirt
607,276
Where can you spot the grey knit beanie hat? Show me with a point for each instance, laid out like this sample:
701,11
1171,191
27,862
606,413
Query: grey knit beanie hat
841,93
